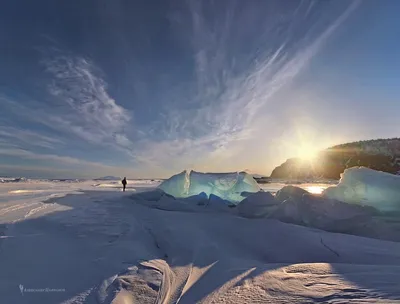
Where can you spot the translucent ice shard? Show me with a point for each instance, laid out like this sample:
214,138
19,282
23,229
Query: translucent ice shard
228,186
367,187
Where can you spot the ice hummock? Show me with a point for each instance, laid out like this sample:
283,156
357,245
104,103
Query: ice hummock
228,186
360,185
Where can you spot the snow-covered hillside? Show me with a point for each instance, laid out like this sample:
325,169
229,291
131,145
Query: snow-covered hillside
389,147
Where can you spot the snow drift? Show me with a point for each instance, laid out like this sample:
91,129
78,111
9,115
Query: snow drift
257,205
228,186
367,187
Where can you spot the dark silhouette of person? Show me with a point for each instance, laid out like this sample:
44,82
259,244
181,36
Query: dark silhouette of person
124,182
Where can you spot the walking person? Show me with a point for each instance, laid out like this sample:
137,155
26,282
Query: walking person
124,182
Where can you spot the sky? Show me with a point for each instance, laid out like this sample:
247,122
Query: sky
151,88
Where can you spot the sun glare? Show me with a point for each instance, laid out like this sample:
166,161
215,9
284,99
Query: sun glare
307,152
315,189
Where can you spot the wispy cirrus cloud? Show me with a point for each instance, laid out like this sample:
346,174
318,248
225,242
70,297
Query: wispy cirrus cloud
26,137
94,115
242,54
234,88
80,106
52,158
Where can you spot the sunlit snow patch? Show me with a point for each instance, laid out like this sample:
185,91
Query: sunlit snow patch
228,186
30,191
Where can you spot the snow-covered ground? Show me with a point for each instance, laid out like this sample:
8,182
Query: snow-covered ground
89,242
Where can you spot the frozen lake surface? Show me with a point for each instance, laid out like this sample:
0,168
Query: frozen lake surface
89,242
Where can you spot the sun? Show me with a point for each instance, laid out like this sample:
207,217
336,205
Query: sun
304,143
307,152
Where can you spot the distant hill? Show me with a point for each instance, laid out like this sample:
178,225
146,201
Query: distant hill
258,175
378,154
113,178
262,180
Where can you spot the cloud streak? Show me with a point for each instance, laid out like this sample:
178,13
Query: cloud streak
26,137
94,116
52,158
241,57
230,101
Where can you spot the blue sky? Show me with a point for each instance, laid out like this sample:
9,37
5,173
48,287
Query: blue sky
149,88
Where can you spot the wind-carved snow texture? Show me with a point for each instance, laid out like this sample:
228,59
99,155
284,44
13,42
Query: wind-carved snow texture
367,187
228,186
